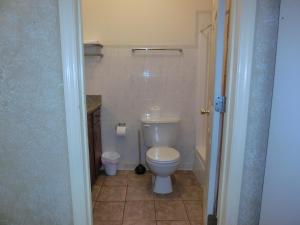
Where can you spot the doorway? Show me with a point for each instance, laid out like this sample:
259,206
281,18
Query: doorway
83,101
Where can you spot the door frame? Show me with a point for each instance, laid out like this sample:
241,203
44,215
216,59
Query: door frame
75,108
216,121
239,69
240,52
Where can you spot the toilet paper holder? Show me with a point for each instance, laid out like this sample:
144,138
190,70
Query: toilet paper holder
121,125
121,129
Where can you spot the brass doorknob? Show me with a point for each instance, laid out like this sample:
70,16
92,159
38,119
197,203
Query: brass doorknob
204,111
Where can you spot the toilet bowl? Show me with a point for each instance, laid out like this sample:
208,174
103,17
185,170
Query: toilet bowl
162,161
160,135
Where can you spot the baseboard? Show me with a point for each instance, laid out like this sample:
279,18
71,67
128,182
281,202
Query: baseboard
128,166
185,166
131,166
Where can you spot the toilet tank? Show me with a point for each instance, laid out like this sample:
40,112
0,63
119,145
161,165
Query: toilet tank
161,131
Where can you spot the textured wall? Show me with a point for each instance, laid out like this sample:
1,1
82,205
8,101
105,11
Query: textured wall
263,72
34,179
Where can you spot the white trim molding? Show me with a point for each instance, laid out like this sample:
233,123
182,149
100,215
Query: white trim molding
242,29
72,62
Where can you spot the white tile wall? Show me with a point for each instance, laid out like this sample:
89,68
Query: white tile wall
131,84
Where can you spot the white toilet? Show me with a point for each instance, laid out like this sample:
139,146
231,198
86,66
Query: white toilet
160,136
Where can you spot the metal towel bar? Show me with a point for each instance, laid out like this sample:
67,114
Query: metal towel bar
157,49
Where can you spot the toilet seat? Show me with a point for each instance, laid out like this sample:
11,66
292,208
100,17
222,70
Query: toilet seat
162,155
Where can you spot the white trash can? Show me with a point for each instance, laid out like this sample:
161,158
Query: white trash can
110,162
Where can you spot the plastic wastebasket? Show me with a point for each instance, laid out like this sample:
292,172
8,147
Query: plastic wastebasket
110,162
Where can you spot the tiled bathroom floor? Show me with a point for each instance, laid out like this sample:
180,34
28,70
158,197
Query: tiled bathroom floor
127,199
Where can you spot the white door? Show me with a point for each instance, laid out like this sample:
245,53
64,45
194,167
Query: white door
281,192
216,121
204,87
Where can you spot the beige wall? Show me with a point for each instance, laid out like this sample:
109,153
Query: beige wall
142,22
34,177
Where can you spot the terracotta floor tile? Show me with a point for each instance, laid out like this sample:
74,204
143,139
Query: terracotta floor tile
139,193
100,179
139,210
108,211
194,210
139,180
194,193
184,178
123,173
175,195
196,222
115,181
113,193
95,192
140,222
173,223
132,174
170,210
99,222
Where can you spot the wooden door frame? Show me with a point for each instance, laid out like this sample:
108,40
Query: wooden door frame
240,52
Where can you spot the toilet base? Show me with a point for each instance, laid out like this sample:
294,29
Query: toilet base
162,185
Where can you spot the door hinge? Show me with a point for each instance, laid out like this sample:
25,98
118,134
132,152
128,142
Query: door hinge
220,104
212,220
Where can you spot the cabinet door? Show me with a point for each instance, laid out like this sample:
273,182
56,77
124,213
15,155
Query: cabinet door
97,139
91,148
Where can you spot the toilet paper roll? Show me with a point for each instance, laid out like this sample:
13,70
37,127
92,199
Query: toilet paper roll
121,131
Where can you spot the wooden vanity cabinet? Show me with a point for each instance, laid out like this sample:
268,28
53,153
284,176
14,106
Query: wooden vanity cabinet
95,144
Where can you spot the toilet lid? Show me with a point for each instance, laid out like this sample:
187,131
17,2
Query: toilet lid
163,154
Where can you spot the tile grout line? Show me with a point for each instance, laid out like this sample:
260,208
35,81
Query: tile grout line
154,200
125,200
97,195
155,211
186,211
